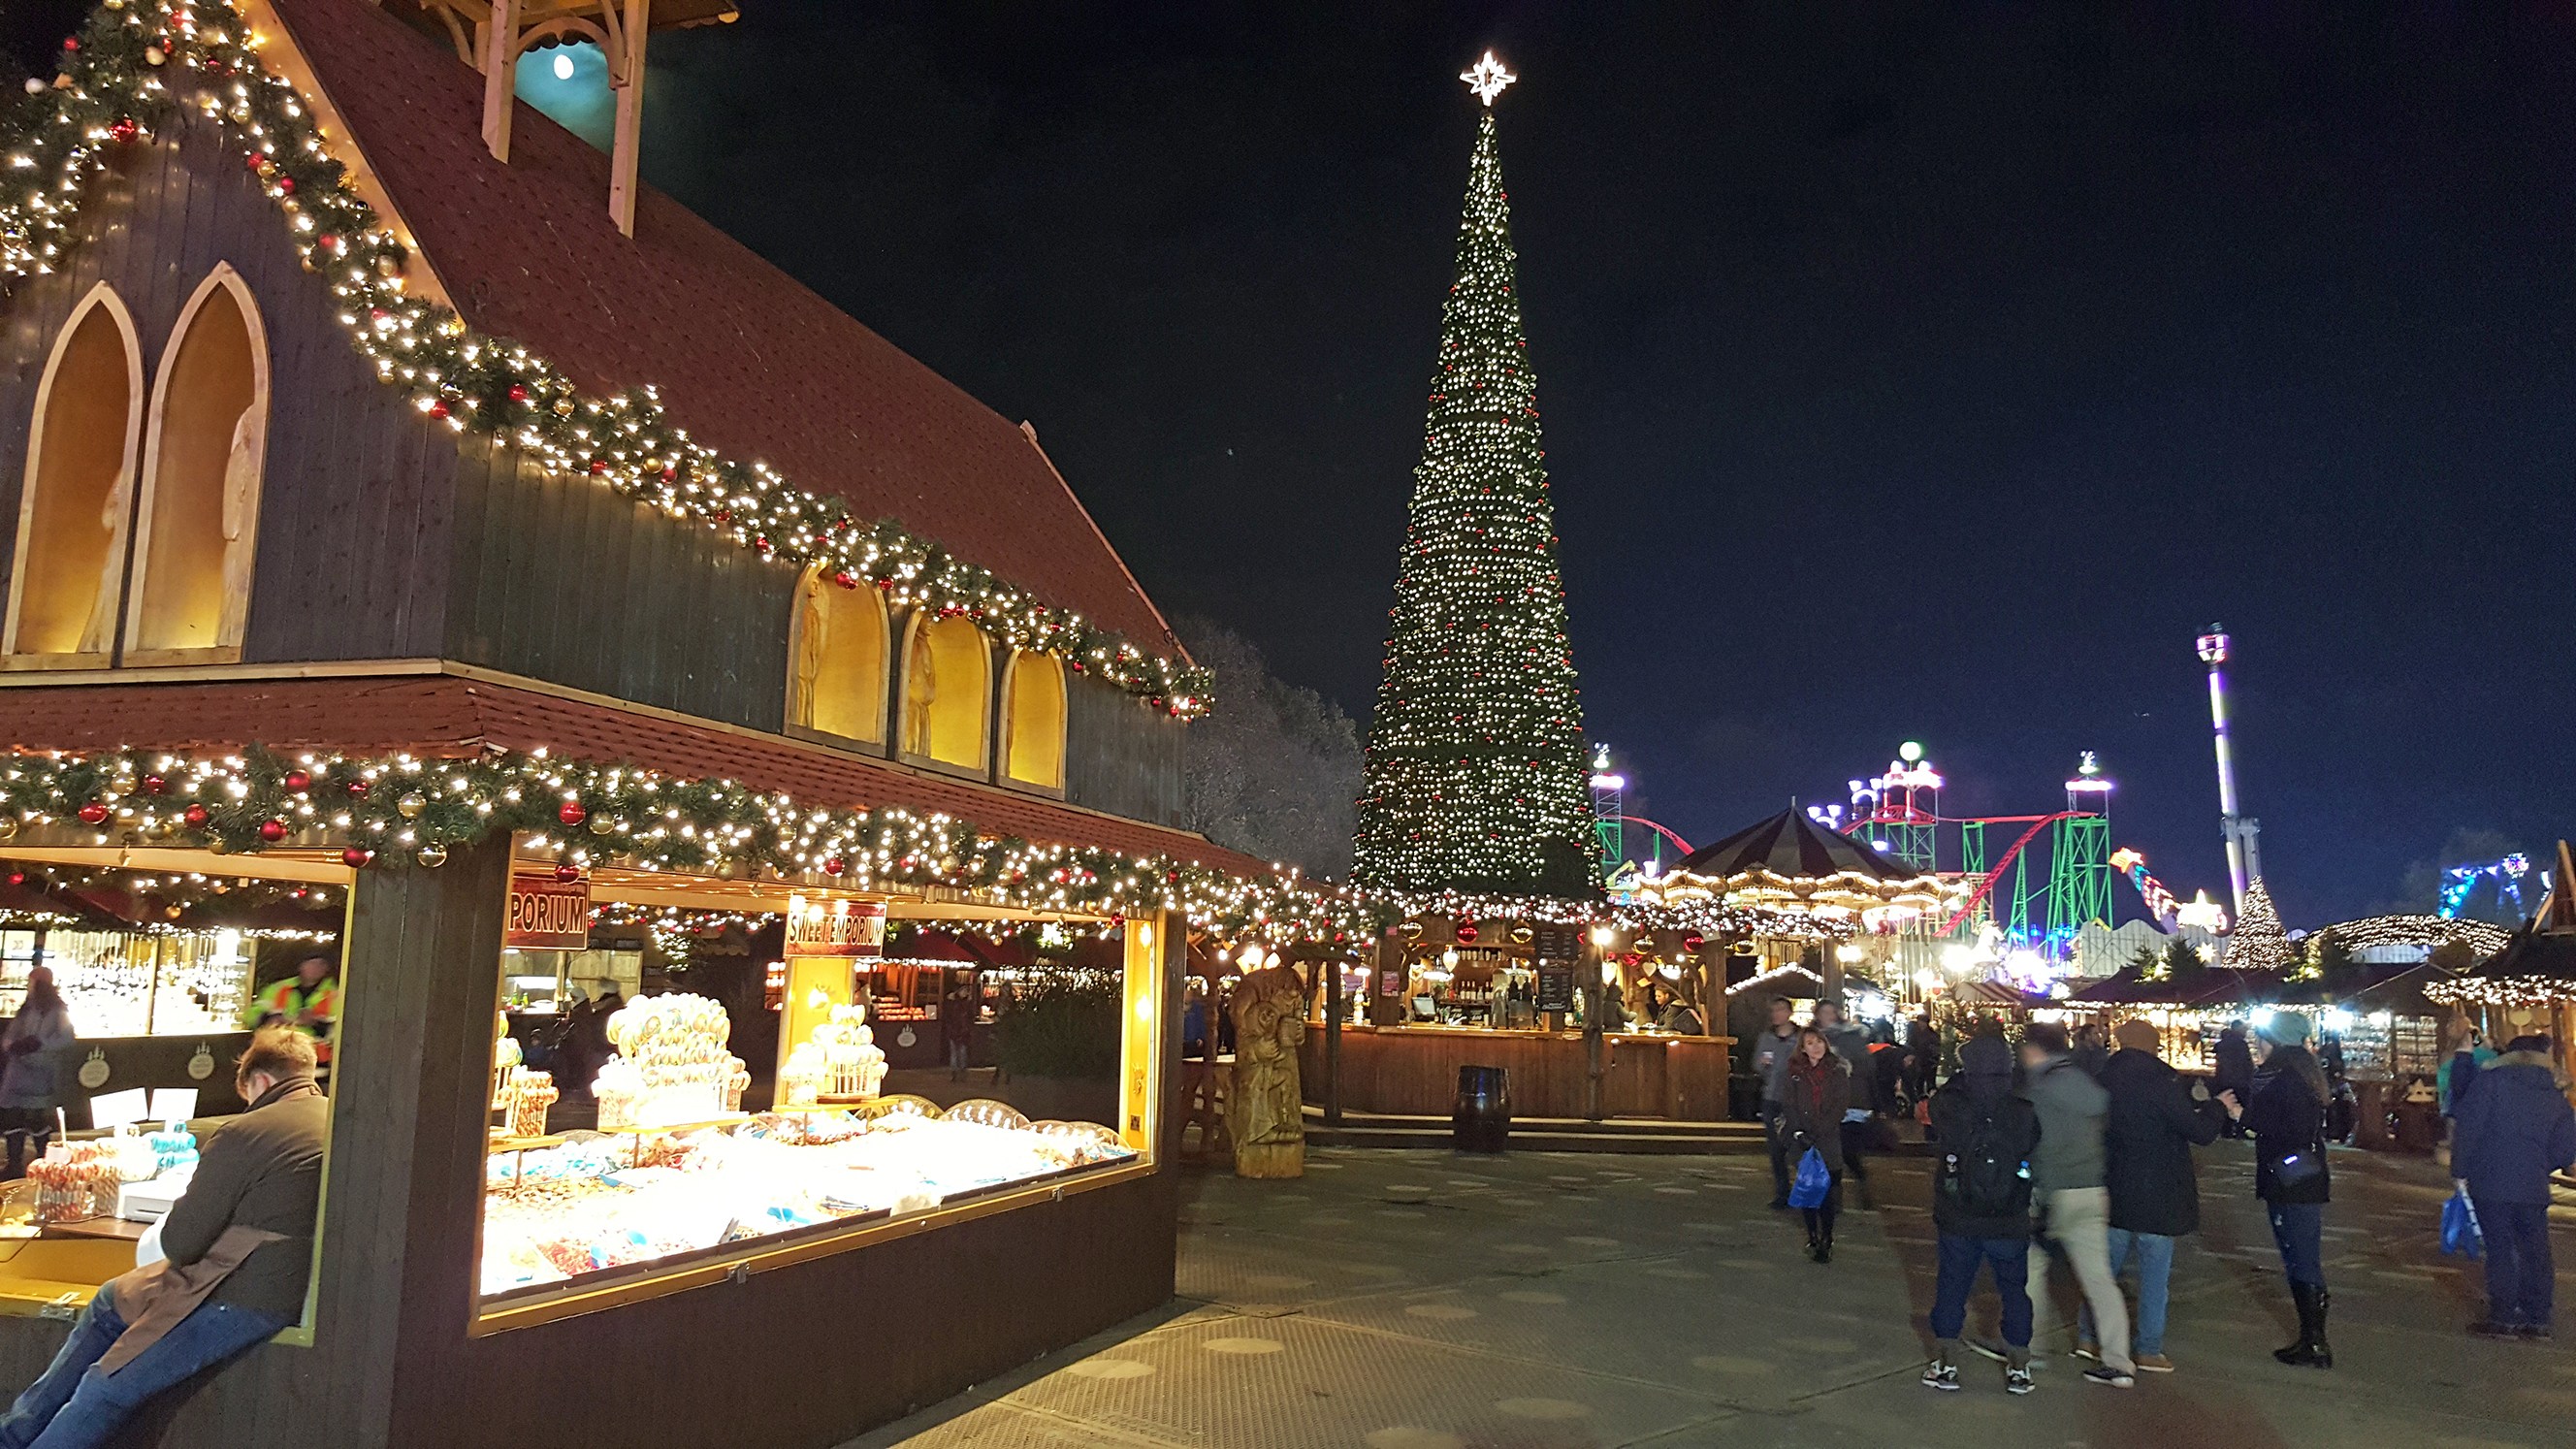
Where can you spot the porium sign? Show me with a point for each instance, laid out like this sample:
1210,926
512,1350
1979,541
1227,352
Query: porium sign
547,914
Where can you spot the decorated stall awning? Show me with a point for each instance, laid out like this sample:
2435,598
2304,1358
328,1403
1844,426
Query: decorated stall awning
2537,966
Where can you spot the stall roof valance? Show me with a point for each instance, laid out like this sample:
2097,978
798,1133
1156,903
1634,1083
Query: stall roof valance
2215,988
2538,964
444,715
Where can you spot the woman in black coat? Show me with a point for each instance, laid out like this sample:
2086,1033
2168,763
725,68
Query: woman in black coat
2287,1115
2148,1135
1819,1091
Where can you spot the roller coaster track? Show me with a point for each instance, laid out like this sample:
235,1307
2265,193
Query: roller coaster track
1995,871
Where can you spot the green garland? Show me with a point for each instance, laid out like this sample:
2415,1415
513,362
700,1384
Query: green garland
110,93
407,811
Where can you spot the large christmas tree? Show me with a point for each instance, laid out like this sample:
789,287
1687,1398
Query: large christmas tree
1475,769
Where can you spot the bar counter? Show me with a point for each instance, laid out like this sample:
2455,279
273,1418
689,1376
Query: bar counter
1413,1071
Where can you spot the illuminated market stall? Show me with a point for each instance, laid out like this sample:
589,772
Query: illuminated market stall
470,611
2529,986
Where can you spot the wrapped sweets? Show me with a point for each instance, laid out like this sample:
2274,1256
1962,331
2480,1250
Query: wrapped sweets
528,1095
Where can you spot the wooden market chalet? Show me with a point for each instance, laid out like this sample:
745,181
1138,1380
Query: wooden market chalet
644,500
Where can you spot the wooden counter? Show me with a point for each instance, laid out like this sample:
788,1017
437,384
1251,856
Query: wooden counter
1413,1071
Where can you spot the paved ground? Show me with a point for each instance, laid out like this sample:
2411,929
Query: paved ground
1422,1300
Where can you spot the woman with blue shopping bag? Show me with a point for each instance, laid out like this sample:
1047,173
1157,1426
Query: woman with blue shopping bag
1818,1092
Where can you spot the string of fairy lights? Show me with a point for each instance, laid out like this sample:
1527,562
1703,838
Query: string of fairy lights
403,810
1475,770
115,85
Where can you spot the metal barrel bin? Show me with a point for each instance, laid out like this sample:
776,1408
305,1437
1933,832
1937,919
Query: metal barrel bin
1482,1119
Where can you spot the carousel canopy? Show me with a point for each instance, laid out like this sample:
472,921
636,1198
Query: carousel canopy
1787,845
1790,863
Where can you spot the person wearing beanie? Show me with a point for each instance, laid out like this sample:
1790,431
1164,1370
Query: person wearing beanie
2286,1112
2148,1136
1981,1206
2513,1131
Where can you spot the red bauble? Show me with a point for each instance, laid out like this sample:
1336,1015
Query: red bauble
518,392
286,184
438,410
572,813
567,872
329,241
94,813
845,579
155,785
197,815
272,831
124,130
297,781
1467,931
71,42
358,789
17,877
835,866
354,858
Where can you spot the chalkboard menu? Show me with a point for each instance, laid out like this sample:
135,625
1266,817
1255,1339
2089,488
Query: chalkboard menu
1559,950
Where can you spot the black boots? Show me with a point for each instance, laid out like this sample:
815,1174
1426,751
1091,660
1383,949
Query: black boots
2311,1350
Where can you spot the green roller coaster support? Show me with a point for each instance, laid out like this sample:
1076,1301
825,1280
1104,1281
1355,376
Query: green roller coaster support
2079,887
1972,866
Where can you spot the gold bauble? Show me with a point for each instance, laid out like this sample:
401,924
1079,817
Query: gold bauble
433,856
410,806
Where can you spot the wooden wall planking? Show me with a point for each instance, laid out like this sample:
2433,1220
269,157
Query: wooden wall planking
561,579
1120,756
351,491
1414,1071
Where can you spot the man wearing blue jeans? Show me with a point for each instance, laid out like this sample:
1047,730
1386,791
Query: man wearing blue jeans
2148,1134
1981,1207
240,1248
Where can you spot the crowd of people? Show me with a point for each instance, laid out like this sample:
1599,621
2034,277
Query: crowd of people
2079,1150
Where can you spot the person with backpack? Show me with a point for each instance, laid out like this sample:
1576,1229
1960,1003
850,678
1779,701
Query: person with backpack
2155,1194
1819,1092
2514,1130
2287,1115
1981,1207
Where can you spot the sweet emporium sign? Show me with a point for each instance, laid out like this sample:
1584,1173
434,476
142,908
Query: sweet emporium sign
835,928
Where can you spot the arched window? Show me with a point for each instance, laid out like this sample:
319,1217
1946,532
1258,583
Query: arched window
837,659
947,690
202,457
1033,719
72,509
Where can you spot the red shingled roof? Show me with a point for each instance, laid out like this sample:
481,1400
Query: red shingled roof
446,716
745,357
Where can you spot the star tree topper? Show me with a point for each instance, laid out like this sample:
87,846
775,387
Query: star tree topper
1487,78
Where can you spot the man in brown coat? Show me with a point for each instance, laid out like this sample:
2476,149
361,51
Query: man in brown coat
239,1246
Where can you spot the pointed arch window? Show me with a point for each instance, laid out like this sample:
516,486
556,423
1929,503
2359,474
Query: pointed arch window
836,682
68,570
204,450
947,692
1033,720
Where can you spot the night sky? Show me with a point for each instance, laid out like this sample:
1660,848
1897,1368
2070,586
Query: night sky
1911,371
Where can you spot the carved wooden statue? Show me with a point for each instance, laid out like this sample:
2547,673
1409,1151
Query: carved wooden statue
1267,1118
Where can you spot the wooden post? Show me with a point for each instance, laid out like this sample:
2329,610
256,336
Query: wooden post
1592,1042
500,75
1333,1043
630,118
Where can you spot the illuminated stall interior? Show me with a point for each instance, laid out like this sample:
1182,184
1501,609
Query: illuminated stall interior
155,990
680,1166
